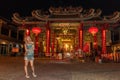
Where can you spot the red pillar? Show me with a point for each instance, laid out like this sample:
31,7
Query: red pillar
47,40
95,41
53,44
103,41
81,36
36,45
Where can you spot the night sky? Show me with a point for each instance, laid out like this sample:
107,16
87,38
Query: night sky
25,7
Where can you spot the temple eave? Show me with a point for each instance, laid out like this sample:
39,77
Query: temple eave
28,22
67,20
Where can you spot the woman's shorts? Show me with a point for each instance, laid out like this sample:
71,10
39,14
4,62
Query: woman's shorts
29,57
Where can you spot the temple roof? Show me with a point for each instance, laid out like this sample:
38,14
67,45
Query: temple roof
67,14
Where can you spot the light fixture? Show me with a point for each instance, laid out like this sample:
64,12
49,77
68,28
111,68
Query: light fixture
64,27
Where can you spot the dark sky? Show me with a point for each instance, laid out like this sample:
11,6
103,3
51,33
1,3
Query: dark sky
25,7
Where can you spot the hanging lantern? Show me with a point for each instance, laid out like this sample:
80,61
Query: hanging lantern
27,32
93,30
36,30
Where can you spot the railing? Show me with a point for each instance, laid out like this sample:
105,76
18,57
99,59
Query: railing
111,57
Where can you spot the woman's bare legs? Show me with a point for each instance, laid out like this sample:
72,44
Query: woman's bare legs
32,67
25,68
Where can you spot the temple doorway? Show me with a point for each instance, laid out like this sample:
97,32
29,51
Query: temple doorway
65,45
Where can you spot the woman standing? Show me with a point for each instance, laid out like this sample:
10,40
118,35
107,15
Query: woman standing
29,56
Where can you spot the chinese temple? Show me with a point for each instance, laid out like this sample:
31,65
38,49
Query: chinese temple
68,29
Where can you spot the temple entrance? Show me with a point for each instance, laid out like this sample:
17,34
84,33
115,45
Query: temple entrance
65,45
66,37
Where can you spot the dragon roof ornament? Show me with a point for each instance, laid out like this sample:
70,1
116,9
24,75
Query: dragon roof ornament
114,16
25,20
65,11
79,15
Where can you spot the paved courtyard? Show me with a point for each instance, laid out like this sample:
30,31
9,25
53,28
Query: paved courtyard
11,68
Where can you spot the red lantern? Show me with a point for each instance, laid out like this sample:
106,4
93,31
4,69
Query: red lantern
27,32
93,30
36,30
